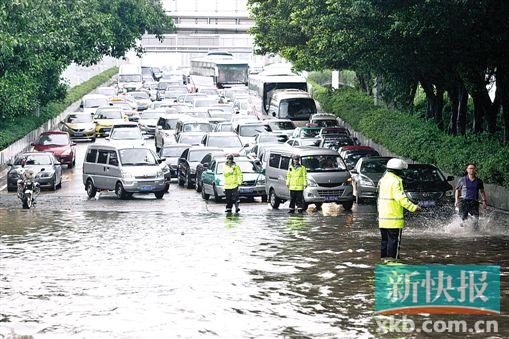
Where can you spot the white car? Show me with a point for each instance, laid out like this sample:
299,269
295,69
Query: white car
126,137
91,102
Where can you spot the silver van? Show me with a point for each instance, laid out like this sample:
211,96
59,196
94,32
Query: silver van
328,178
292,104
123,170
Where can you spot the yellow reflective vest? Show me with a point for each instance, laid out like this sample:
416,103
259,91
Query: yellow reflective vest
296,179
232,176
391,201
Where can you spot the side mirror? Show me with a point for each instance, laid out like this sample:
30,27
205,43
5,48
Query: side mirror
450,178
246,145
354,171
73,144
58,163
160,160
9,163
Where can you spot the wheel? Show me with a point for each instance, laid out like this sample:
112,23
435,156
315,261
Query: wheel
25,203
120,192
160,194
59,186
72,163
264,198
180,180
54,185
217,198
90,188
188,183
274,200
204,195
347,205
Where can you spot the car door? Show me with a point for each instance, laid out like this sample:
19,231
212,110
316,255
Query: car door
102,169
208,177
114,171
283,171
182,168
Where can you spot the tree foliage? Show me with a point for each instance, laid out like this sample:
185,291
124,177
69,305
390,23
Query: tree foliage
41,38
453,47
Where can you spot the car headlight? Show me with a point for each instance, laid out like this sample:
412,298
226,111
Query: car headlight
261,181
312,183
127,175
365,181
449,193
348,181
160,174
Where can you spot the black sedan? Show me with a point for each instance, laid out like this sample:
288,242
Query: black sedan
47,169
426,185
188,162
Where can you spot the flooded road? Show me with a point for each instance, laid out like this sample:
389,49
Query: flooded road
178,267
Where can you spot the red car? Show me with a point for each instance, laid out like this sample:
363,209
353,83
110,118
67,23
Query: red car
59,143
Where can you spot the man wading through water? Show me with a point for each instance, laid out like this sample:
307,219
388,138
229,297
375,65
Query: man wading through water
467,195
391,201
232,180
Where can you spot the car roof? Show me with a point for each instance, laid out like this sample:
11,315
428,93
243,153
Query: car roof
236,158
357,148
125,124
204,148
176,145
304,151
188,119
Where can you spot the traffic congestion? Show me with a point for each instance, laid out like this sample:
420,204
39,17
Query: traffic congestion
153,128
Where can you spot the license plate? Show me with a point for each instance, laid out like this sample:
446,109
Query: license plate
330,198
427,203
146,188
246,190
78,134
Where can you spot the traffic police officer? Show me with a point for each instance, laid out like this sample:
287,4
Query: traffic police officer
232,180
391,201
296,180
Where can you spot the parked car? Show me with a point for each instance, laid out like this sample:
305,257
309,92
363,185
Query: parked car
351,154
328,178
426,185
148,121
365,176
126,136
91,102
165,130
79,125
324,120
229,142
281,126
188,161
123,170
253,184
47,169
106,117
60,144
248,131
172,154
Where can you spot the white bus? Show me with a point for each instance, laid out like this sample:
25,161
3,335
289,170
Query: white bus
262,87
225,72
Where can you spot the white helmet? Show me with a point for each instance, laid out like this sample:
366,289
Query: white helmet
397,164
29,174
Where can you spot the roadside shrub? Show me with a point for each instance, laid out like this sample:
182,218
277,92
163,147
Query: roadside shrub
417,139
12,130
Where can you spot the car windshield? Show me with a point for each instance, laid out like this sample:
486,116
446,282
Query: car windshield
190,139
323,163
140,95
197,155
252,130
422,173
225,128
126,134
109,115
95,102
174,152
228,141
79,118
335,144
374,166
151,115
198,114
197,127
326,122
282,125
301,108
352,157
204,103
245,167
34,160
334,132
137,157
309,132
53,139
129,78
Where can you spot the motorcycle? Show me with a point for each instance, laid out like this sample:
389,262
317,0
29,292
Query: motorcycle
28,190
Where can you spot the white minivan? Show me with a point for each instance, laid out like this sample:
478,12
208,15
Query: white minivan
123,170
129,78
